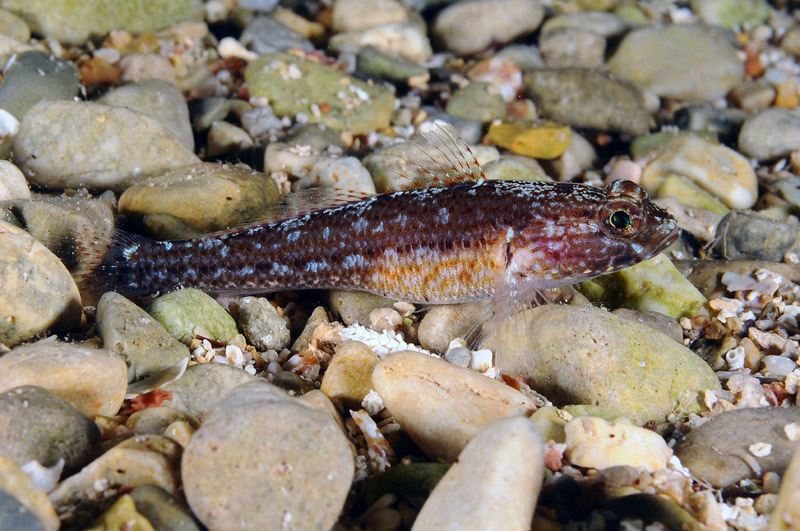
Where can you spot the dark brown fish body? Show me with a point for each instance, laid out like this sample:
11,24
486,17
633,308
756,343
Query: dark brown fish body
445,244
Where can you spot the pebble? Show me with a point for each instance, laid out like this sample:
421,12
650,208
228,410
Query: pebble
226,139
37,292
470,26
655,285
293,85
141,66
442,406
261,324
155,420
507,168
33,77
572,47
375,62
201,386
593,442
354,307
544,140
230,195
718,450
404,40
477,101
446,322
64,144
343,173
12,183
356,15
746,235
121,515
690,194
348,378
718,169
22,504
13,26
770,134
265,35
732,13
181,311
665,60
293,461
93,380
706,275
752,95
37,425
158,99
497,478
586,355
579,156
140,460
786,513
586,98
720,124
136,337
163,510
74,22
598,22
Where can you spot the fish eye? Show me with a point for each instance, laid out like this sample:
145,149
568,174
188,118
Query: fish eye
620,220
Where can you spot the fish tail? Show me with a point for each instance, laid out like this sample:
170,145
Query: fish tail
105,265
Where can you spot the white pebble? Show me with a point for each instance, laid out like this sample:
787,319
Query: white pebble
760,449
778,365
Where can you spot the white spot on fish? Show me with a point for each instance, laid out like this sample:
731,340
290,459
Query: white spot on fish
130,250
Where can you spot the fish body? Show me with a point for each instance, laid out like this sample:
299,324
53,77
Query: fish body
456,243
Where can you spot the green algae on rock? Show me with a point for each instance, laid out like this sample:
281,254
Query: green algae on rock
322,93
586,355
73,22
181,311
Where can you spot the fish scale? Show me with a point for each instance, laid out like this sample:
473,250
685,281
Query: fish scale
446,244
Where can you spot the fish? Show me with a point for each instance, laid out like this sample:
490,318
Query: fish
463,239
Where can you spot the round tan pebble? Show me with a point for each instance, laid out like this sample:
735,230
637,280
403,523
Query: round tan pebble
440,405
496,479
264,460
93,380
17,483
157,419
349,375
37,292
12,183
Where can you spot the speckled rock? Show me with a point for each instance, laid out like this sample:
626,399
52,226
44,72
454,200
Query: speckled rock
587,98
37,292
35,506
74,22
293,85
181,311
442,406
572,47
140,460
37,425
163,510
261,324
719,170
69,144
404,40
230,195
718,451
138,338
266,35
593,442
155,420
12,183
770,134
496,479
348,378
201,386
158,99
93,380
586,355
355,15
36,76
468,27
747,235
354,307
280,449
477,101
664,60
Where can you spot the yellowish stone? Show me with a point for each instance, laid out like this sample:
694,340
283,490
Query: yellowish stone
544,140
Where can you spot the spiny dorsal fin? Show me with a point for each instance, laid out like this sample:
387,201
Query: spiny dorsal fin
446,159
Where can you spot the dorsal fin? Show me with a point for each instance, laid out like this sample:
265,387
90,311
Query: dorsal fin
446,159
299,203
